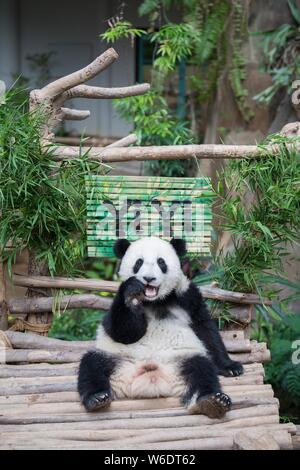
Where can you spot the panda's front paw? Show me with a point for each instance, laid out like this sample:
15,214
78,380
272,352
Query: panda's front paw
97,400
133,291
231,369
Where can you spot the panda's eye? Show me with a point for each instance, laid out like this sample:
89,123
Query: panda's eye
162,264
137,265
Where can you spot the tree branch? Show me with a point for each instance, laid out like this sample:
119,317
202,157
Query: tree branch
124,142
86,91
80,76
74,114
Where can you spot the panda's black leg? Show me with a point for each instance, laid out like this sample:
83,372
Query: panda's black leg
94,388
203,390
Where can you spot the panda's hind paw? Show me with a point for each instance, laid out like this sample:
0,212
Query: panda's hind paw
214,406
97,401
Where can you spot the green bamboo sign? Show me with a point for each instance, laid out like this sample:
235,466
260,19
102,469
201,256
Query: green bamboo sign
139,206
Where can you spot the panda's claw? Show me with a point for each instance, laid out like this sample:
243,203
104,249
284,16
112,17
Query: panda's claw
214,406
97,401
232,369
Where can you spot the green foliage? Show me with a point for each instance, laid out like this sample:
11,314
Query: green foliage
282,56
154,124
199,40
81,324
42,205
281,372
121,29
78,325
261,227
175,43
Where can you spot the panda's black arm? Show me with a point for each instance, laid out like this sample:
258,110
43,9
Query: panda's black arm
206,330
126,321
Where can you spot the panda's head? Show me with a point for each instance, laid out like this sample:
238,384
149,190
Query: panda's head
154,262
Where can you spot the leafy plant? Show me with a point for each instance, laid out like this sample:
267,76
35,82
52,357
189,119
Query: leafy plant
121,29
81,324
154,124
262,226
281,49
283,372
42,204
77,324
199,39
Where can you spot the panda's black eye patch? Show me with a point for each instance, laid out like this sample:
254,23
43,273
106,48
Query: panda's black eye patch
162,264
137,265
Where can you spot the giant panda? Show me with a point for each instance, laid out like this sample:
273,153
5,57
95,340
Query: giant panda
158,339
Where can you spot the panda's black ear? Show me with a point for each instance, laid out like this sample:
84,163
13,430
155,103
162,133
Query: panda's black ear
120,247
179,246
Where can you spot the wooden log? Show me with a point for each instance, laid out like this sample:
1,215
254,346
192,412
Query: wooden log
145,424
191,444
50,370
168,152
33,408
60,356
239,400
47,304
280,434
147,435
111,286
36,355
247,379
33,341
21,385
29,418
246,441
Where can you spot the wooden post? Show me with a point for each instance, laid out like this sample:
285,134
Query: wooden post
41,318
3,305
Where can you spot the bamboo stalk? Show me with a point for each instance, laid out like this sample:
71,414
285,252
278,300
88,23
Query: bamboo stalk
111,286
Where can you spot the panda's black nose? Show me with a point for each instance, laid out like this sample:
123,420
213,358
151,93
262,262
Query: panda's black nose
149,279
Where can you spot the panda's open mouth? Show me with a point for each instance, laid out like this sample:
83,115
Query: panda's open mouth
150,291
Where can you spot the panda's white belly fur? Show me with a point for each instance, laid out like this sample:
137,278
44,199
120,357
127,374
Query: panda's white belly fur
150,367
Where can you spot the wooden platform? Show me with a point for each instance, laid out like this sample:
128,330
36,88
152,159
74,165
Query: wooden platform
40,409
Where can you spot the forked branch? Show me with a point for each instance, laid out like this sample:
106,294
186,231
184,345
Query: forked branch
53,96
